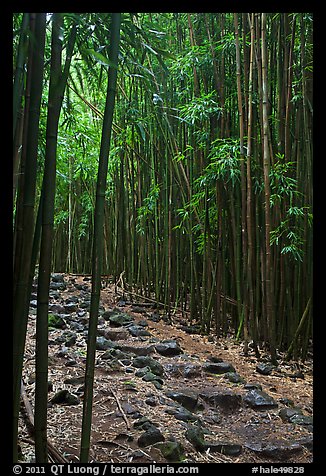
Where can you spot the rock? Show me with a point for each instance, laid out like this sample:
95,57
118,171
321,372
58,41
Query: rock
225,399
56,308
71,307
229,449
114,334
265,369
104,344
150,377
192,370
279,450
295,416
138,331
195,435
168,348
187,398
64,397
259,400
234,377
253,386
155,317
56,321
119,319
137,350
151,436
146,361
218,367
215,360
57,278
172,451
75,380
144,423
191,329
54,286
151,400
182,414
117,354
67,337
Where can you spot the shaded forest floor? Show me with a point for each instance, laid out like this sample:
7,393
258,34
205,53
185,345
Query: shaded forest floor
199,384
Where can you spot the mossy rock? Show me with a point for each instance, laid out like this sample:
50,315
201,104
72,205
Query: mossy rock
172,451
55,321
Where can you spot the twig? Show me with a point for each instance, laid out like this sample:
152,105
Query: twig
124,416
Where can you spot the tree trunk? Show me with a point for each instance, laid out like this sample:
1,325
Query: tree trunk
97,251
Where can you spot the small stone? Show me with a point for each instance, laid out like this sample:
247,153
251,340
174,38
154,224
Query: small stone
218,368
195,435
186,398
229,449
120,319
172,451
138,331
258,399
265,369
168,348
191,370
103,344
146,361
182,414
64,397
151,436
225,399
234,377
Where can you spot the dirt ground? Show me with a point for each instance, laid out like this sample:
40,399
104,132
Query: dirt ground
114,438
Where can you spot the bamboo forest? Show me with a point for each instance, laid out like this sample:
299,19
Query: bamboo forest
162,239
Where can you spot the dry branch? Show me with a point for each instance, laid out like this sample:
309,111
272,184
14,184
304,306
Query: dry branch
54,454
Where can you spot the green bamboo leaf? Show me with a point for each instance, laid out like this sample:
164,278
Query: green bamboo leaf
103,60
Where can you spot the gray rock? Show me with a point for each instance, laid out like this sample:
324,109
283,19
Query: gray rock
253,386
144,423
151,436
229,449
71,307
54,286
56,308
137,350
187,398
168,348
104,344
182,414
147,361
150,377
64,397
234,377
119,319
218,367
258,399
295,416
114,334
265,369
138,331
67,337
225,399
278,450
192,370
57,278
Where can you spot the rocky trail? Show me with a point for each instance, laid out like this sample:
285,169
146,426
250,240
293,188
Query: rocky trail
163,392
